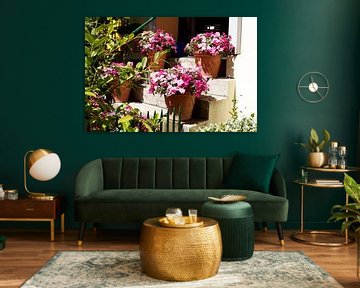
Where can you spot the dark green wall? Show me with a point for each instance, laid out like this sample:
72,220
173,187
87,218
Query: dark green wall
42,88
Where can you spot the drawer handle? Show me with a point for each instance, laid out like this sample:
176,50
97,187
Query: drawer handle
29,209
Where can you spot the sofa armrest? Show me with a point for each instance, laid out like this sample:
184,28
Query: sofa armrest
89,179
277,184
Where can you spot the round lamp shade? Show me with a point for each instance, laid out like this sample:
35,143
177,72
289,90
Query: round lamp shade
44,164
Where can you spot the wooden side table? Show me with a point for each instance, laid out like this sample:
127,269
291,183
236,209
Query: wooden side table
27,209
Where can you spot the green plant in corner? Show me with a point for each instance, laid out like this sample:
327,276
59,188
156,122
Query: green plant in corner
314,144
349,214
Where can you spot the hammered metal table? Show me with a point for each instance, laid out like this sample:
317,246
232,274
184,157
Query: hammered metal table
180,254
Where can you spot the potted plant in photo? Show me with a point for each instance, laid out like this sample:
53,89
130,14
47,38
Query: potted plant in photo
179,86
350,214
207,49
101,116
317,157
121,77
156,45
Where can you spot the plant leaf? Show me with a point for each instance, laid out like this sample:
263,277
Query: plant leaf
352,188
314,135
326,136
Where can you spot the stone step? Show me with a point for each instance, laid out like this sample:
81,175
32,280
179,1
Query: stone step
213,108
226,67
148,108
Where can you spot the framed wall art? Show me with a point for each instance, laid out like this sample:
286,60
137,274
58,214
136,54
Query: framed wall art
171,74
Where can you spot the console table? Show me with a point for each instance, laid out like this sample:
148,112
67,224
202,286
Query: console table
297,235
27,209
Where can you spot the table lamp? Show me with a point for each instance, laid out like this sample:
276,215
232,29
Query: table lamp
43,165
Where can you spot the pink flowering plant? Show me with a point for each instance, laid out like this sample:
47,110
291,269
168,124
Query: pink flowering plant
157,41
120,73
178,80
212,43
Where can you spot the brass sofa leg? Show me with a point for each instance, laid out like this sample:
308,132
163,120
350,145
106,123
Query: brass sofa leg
280,233
265,227
81,233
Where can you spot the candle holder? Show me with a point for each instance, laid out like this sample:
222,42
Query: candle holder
342,153
333,161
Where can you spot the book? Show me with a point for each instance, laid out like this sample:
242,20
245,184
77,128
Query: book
327,181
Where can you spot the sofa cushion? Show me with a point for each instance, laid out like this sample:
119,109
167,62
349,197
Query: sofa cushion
266,207
251,172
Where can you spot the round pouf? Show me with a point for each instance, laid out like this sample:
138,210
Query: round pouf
236,221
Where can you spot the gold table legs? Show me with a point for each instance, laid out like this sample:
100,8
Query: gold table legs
297,235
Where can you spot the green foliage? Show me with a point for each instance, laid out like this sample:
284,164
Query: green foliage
102,44
349,214
235,124
102,116
314,144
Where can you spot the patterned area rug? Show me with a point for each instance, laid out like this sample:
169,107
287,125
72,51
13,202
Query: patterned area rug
122,269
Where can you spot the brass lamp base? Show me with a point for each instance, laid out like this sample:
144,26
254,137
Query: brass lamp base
41,196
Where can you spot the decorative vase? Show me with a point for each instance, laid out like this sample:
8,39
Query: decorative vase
181,102
121,92
160,63
210,64
317,159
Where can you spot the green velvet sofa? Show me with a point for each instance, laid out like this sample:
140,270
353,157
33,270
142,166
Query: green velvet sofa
130,190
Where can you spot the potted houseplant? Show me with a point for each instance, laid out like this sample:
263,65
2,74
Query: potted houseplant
317,157
179,86
350,214
156,45
207,49
121,77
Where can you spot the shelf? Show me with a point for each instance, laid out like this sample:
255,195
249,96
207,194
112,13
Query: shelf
313,184
348,169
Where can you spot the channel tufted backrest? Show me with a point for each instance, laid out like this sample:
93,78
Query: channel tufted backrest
164,173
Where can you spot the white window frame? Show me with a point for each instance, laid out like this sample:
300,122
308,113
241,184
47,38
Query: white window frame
235,24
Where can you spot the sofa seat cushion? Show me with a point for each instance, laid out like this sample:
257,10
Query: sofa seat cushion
266,207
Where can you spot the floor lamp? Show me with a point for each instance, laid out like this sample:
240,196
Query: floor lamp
43,165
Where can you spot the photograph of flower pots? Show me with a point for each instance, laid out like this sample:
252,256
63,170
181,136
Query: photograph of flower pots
171,74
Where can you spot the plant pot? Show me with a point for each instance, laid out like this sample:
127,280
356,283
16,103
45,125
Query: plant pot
317,159
160,63
121,93
182,104
210,64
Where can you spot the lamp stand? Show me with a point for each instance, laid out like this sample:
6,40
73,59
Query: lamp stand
34,195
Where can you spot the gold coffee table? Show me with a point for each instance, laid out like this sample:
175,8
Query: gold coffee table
180,254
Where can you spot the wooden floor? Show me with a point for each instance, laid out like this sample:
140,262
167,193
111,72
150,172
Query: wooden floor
28,250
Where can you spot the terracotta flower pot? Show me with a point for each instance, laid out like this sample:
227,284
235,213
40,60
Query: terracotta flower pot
183,102
210,64
121,93
160,63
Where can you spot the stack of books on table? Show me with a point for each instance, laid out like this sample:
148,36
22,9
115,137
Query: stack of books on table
328,181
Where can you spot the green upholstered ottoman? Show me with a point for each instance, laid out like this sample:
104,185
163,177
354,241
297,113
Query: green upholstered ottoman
236,221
